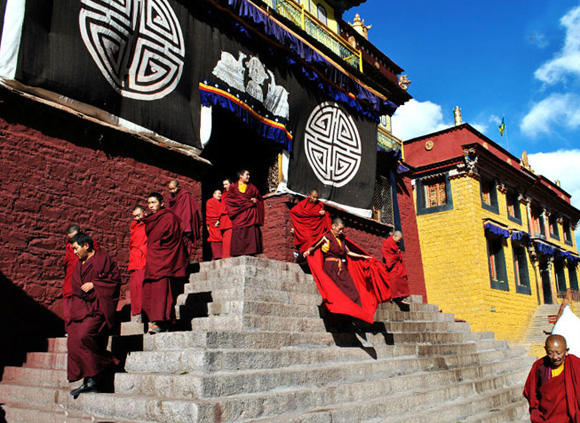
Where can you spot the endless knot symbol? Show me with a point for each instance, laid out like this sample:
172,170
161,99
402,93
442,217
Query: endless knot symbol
332,144
137,45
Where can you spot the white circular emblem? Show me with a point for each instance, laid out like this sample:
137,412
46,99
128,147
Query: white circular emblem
137,45
332,144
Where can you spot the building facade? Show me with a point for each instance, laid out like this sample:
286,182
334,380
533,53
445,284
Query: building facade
96,115
496,238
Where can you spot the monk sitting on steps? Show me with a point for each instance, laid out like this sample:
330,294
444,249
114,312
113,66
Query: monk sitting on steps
553,385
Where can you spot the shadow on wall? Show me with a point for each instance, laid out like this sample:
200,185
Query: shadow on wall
25,325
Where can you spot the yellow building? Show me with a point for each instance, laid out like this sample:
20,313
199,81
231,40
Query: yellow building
496,239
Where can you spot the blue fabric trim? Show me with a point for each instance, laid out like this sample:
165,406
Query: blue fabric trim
378,106
402,168
520,236
569,256
263,129
545,249
496,230
394,154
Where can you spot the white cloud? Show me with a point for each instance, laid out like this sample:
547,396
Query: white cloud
417,118
495,119
561,165
481,127
567,61
556,109
539,40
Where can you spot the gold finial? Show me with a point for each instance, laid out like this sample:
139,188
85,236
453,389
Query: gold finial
557,182
525,162
457,116
359,26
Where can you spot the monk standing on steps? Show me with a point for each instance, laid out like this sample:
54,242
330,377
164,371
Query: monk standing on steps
553,385
246,211
212,221
225,222
186,209
393,259
137,260
96,283
166,263
309,220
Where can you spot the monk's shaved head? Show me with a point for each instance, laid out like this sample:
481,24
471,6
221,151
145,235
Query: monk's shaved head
556,339
73,229
173,182
556,350
337,221
313,191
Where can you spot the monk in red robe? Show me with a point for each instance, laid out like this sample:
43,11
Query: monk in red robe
553,385
96,283
184,206
246,211
137,259
70,262
225,222
212,220
309,220
165,265
340,278
397,272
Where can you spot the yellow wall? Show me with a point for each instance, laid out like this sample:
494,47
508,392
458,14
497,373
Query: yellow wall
312,7
454,252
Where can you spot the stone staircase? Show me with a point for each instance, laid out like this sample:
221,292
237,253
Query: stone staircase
536,335
258,350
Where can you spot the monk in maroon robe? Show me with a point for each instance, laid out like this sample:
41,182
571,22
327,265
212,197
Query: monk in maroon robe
309,220
70,262
184,206
397,272
212,220
225,222
246,211
553,385
340,275
96,284
165,265
137,259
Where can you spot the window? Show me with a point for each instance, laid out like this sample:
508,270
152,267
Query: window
567,232
573,276
513,207
322,15
560,275
383,206
537,223
496,261
488,195
433,194
553,223
521,268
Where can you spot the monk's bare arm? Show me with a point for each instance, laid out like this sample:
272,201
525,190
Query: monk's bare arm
324,240
357,255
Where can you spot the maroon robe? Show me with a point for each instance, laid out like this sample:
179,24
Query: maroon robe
397,272
212,216
137,260
345,286
309,225
92,314
554,399
70,262
226,227
166,263
186,209
246,217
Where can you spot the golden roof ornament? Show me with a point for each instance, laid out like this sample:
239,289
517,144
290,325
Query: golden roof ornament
404,82
457,116
359,26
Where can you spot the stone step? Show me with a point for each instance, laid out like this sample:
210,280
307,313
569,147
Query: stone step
114,407
255,262
270,279
265,339
196,385
47,360
354,405
57,344
514,412
36,376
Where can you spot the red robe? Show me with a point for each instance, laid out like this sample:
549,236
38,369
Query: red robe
91,315
309,225
70,262
333,295
186,209
212,216
137,257
397,272
166,261
554,399
246,217
225,226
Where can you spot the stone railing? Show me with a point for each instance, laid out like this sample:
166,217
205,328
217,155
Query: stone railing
302,18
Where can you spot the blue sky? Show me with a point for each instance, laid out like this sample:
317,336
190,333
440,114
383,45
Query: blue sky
518,58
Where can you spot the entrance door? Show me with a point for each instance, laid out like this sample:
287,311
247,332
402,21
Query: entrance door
545,275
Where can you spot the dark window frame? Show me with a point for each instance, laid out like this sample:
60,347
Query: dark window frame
420,191
517,217
320,8
566,228
573,276
521,270
496,243
492,186
560,276
541,223
553,224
